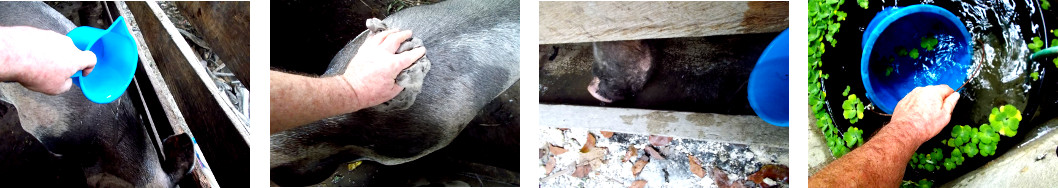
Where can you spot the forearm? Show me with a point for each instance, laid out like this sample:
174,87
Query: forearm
878,163
298,100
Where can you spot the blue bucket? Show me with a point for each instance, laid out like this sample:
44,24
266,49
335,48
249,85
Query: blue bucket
888,67
769,83
116,59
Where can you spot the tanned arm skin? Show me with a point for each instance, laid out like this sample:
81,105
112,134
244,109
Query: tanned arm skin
41,60
368,81
880,162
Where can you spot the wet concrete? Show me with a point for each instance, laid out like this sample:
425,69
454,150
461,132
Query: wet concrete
701,74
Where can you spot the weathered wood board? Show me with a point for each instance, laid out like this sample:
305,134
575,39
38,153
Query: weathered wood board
225,26
209,114
572,22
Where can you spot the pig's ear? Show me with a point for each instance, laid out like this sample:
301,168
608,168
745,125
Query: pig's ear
179,156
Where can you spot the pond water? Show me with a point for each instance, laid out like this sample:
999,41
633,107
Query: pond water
999,31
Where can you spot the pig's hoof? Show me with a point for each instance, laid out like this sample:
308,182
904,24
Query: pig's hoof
411,79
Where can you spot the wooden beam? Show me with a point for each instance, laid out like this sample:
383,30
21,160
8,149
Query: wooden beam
152,91
225,27
219,130
741,129
573,22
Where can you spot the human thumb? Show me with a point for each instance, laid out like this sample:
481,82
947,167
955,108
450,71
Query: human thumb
949,102
87,61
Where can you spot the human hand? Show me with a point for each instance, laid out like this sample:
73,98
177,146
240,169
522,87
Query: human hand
42,60
925,111
372,73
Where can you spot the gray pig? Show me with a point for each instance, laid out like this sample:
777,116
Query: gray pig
97,145
473,49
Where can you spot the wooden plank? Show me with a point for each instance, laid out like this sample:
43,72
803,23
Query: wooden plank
572,22
153,93
221,132
741,129
225,27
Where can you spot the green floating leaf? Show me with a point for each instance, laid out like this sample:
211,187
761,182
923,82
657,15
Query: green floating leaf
949,164
846,92
913,53
853,137
852,109
862,3
960,134
956,155
1045,5
929,43
987,135
925,183
1035,76
901,51
987,149
970,149
937,155
1036,44
1005,120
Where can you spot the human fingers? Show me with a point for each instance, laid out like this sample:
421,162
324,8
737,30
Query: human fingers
88,62
379,37
392,42
949,102
406,58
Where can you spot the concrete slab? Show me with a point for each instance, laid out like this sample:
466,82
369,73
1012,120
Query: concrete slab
672,169
741,129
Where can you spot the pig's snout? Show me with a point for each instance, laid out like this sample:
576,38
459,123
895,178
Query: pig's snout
593,89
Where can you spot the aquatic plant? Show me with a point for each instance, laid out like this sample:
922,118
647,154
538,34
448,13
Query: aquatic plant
970,141
862,3
1035,76
929,43
1036,44
824,22
1005,119
924,183
853,108
853,137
